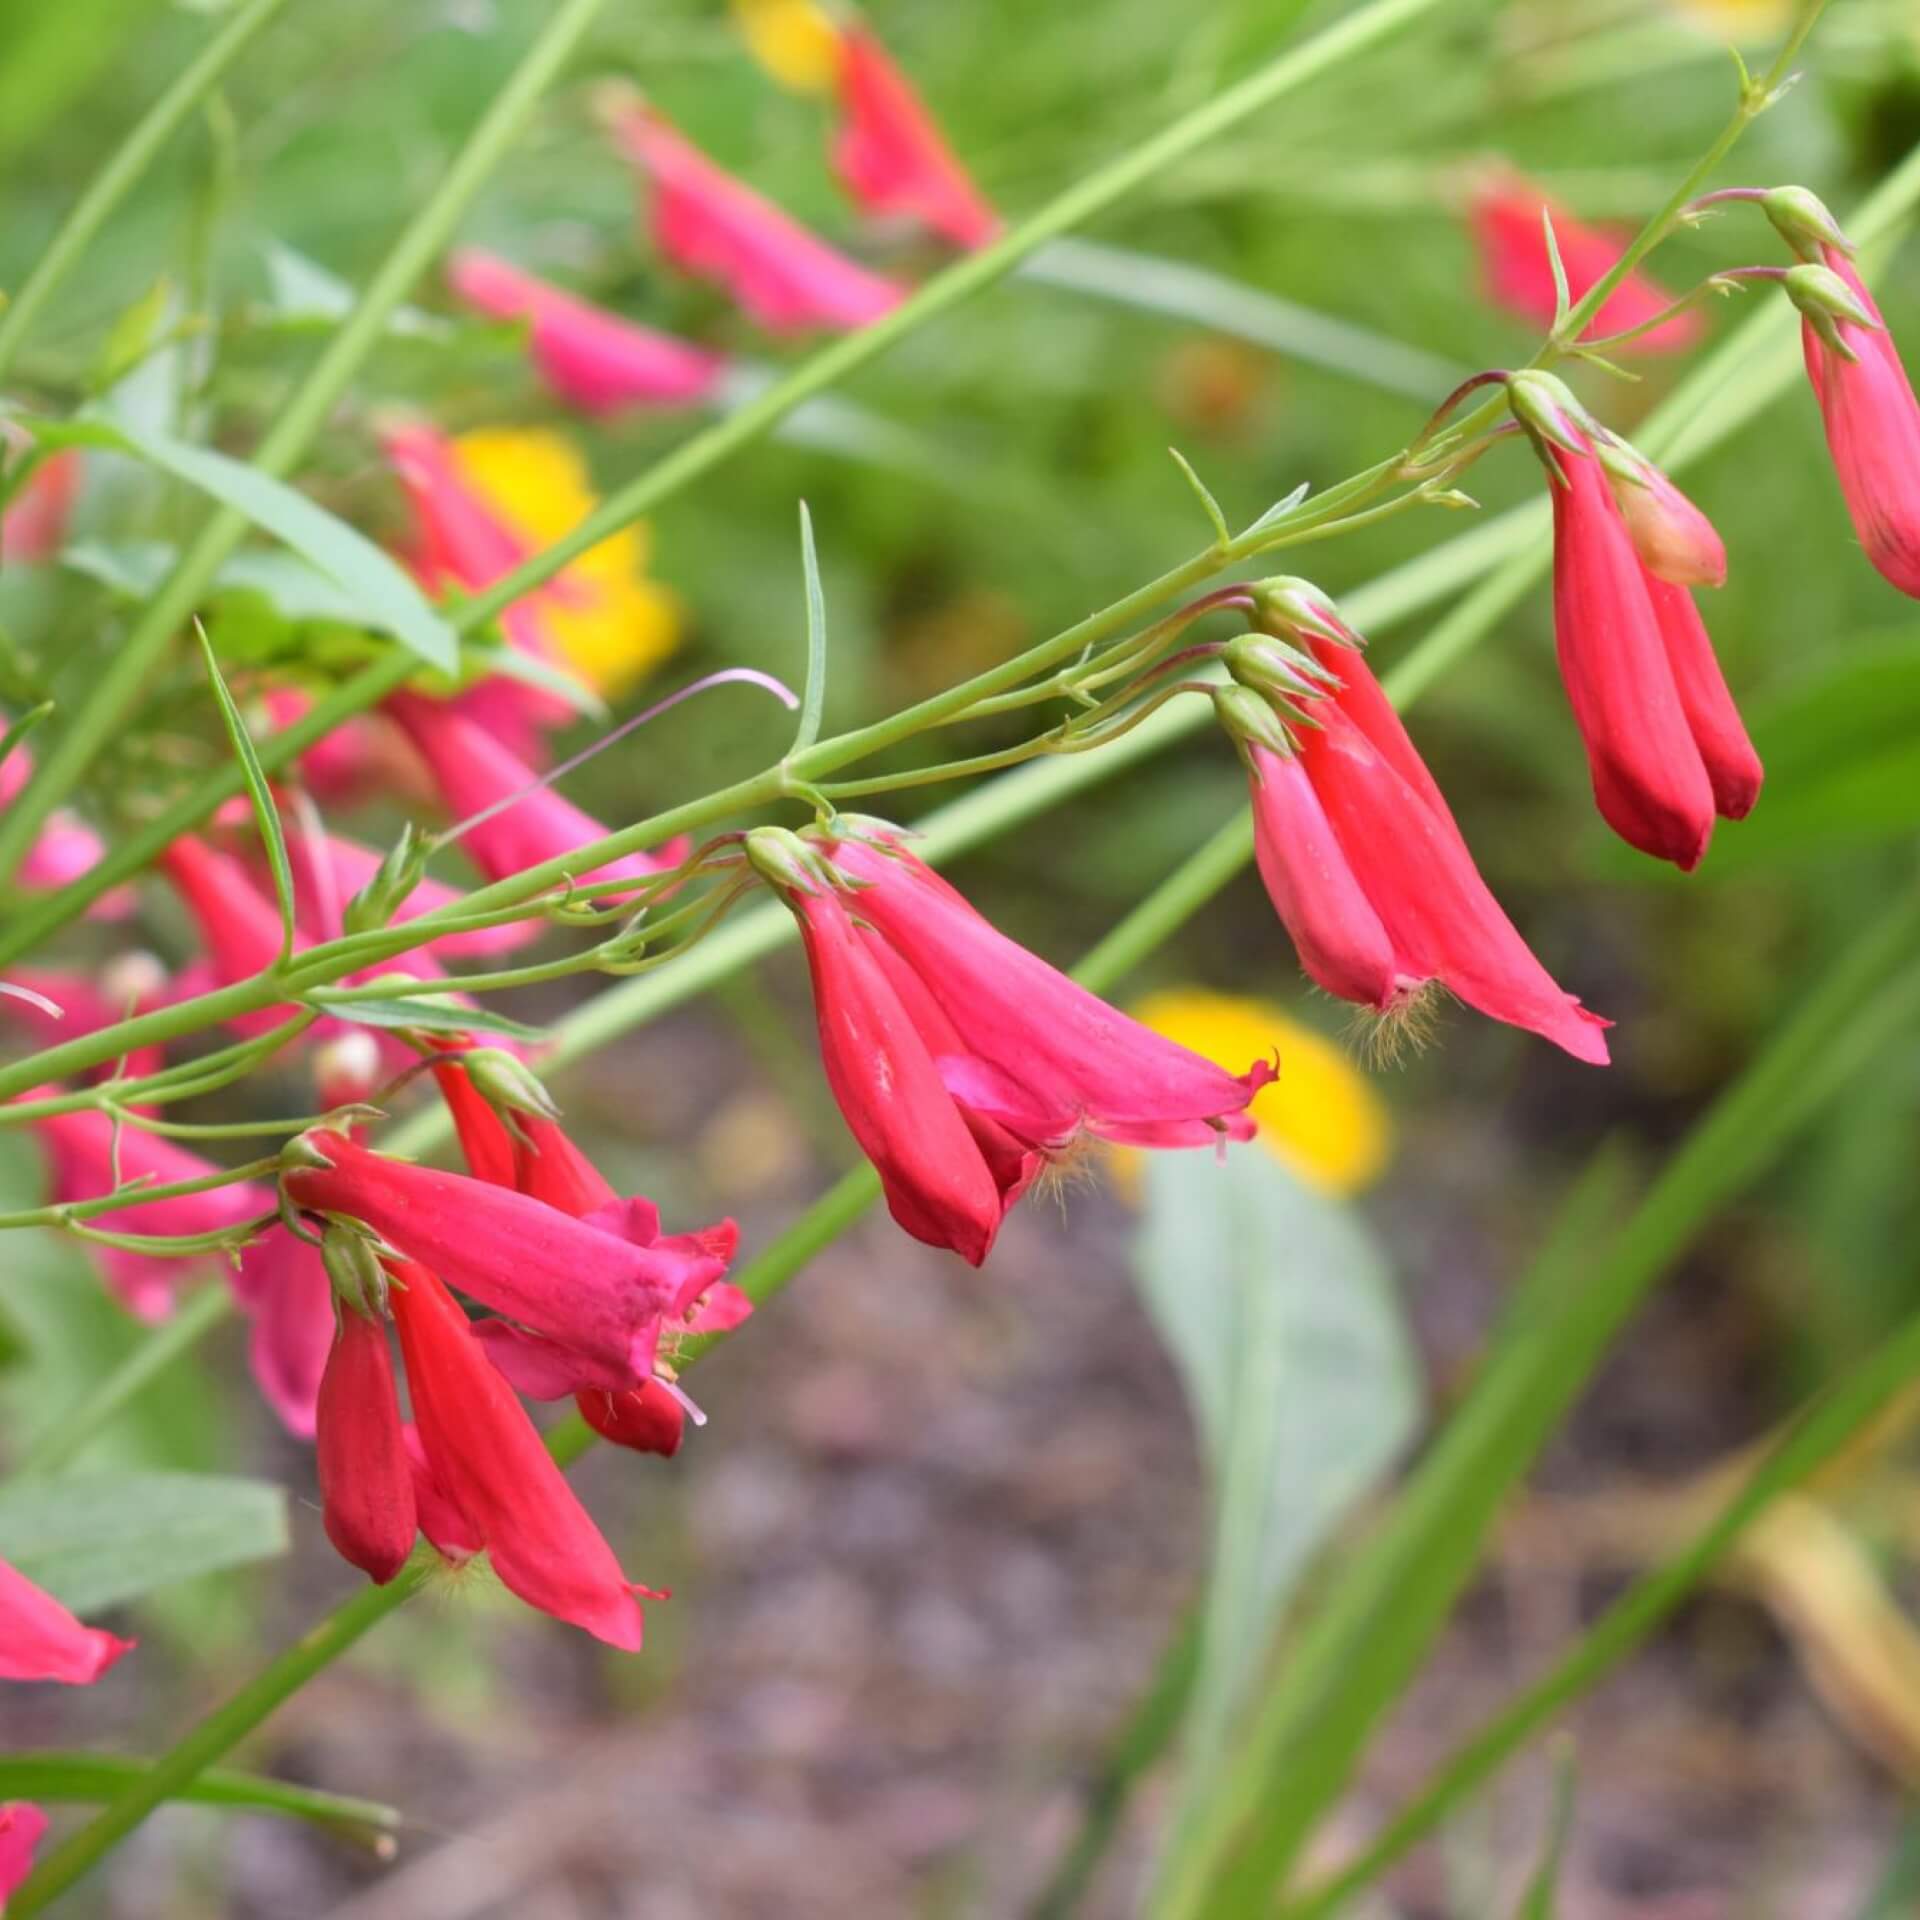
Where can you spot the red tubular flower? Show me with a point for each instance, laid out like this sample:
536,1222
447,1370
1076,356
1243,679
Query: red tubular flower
41,1640
474,771
717,228
1720,736
1518,272
1649,780
21,1825
366,1484
585,1285
1370,875
591,358
646,1420
484,1452
80,1154
892,156
1871,416
961,1062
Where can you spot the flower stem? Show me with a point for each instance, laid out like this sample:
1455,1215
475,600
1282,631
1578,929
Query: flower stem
123,170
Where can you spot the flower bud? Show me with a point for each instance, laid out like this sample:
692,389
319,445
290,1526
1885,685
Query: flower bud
1270,666
508,1084
1804,223
1675,541
354,1271
1289,608
785,861
1251,721
1548,410
398,875
1825,300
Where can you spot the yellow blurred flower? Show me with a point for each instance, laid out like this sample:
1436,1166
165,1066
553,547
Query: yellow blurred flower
1321,1119
611,623
795,40
1739,19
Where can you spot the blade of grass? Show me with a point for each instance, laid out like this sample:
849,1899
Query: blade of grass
813,701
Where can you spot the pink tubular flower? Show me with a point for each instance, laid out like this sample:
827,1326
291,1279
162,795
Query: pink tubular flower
41,1640
65,849
592,359
238,924
1518,273
892,156
482,1452
283,1290
961,1062
80,1153
596,1288
366,1483
1871,416
1650,775
1378,890
717,228
473,772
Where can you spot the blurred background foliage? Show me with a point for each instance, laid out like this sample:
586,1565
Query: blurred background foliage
986,483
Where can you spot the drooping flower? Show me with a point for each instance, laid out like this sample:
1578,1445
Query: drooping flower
484,1455
83,1162
366,1482
597,1288
473,771
41,1640
21,1827
592,359
715,227
1517,270
1321,1118
891,154
1868,407
1363,861
487,502
963,1063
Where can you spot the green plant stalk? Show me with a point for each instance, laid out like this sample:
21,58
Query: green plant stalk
128,672
687,463
1823,1429
230,1723
1384,1609
70,1435
97,1776
68,1211
124,167
169,1776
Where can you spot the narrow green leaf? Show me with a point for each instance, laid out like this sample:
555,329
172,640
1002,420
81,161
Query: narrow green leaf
1562,296
813,701
1208,504
386,598
266,814
131,337
96,1540
1540,1900
83,1777
424,1015
1280,1314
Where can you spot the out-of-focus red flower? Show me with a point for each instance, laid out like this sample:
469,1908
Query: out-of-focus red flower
592,359
21,1826
35,521
1517,270
891,154
716,227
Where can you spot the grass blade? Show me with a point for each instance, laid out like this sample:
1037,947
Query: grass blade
265,813
813,701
